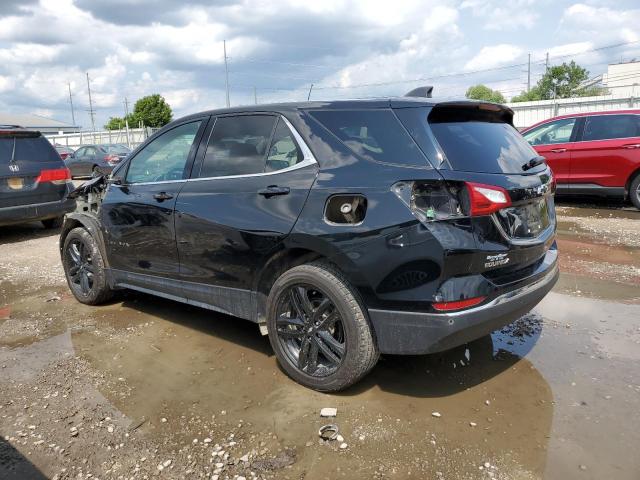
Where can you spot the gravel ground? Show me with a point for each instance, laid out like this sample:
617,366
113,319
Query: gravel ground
145,388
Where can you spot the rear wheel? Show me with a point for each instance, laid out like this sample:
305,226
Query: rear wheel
318,328
634,191
50,223
84,268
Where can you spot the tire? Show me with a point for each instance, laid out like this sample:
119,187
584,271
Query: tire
84,268
51,223
634,191
343,331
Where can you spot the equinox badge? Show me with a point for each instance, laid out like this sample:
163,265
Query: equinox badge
496,260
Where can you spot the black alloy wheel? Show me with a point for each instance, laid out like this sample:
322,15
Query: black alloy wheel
310,330
319,328
81,268
84,268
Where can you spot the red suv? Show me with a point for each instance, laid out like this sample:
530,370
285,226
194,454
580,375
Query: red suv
594,153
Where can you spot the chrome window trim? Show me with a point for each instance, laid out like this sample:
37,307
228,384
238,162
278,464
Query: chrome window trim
307,155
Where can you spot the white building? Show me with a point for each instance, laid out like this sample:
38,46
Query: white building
623,79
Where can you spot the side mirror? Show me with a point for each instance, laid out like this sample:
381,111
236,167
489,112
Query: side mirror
114,181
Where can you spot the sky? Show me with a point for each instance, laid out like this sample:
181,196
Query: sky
346,49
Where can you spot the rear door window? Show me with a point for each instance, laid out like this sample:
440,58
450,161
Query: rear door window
609,127
559,131
238,146
284,151
375,135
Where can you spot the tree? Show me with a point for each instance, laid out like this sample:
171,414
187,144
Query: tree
482,92
152,111
561,81
115,123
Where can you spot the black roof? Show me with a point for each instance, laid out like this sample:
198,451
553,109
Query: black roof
395,102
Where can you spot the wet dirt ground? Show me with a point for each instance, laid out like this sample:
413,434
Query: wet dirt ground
147,388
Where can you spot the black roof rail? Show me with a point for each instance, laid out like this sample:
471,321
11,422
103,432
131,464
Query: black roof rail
425,92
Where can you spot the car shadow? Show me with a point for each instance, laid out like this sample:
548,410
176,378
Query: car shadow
435,375
593,202
14,465
25,231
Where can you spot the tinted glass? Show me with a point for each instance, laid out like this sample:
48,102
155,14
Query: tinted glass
27,150
373,134
165,157
284,151
552,132
604,127
238,146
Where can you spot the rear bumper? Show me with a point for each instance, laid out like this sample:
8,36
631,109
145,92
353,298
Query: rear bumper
414,333
35,211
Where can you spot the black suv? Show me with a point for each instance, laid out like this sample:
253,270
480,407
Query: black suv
33,179
343,229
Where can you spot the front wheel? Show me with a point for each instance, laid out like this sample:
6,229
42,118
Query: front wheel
84,268
634,191
319,329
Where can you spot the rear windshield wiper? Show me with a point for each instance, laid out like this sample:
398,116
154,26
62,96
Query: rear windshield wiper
534,162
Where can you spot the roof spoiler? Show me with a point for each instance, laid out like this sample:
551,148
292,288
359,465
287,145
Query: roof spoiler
425,92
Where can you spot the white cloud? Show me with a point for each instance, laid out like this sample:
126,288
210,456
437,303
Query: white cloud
494,56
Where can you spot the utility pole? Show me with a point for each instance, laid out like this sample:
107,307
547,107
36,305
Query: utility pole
126,120
91,112
73,115
309,95
255,95
226,71
546,63
529,73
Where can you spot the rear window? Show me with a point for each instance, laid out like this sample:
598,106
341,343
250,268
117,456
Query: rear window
471,141
375,135
28,148
609,127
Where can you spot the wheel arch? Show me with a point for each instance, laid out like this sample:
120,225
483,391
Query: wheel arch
90,224
630,179
293,255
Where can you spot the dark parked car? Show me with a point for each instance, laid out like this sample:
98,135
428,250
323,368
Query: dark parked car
33,179
96,159
63,151
344,229
596,153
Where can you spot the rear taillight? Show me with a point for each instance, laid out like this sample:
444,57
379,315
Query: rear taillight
487,199
457,305
58,176
436,200
111,159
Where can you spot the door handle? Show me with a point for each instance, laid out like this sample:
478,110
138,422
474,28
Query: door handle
162,196
273,190
558,150
631,145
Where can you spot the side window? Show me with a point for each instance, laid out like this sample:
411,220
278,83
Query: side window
550,133
605,127
80,152
90,152
165,157
284,151
238,146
